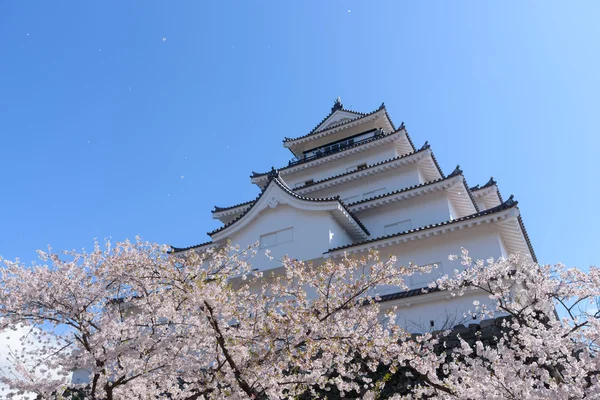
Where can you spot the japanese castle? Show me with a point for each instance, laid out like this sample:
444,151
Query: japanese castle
357,182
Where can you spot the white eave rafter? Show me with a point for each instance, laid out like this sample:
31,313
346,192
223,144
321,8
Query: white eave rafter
231,212
441,185
506,216
391,138
424,157
489,196
432,186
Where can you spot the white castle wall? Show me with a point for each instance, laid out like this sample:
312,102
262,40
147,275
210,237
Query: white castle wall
482,241
314,232
419,211
391,180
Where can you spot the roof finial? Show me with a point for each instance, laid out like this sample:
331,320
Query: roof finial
382,106
337,105
511,201
457,171
273,173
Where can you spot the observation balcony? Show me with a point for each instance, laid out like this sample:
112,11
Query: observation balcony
336,147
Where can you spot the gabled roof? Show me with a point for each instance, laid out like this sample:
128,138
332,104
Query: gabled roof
337,207
507,205
358,116
455,177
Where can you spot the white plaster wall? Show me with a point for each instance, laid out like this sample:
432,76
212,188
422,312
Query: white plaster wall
422,177
482,241
337,167
311,234
426,209
395,179
481,204
453,211
414,314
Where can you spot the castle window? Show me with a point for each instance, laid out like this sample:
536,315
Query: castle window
374,193
351,198
397,227
277,238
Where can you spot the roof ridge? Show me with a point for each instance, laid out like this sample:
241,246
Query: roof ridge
314,130
220,209
490,182
274,177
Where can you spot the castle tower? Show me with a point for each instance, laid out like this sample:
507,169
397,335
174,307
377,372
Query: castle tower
356,183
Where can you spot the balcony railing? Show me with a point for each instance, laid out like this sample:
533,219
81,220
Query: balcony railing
336,148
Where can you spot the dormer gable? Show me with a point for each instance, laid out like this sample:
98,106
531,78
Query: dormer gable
278,193
337,115
339,124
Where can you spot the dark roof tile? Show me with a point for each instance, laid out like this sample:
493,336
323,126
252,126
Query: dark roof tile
359,116
181,249
372,139
274,177
371,166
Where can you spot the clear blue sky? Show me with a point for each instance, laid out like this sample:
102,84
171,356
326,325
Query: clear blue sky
107,130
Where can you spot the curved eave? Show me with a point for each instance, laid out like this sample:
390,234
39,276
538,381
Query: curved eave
294,143
454,181
331,204
395,137
197,247
506,212
423,157
454,185
232,211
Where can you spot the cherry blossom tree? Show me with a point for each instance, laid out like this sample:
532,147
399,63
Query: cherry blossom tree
143,323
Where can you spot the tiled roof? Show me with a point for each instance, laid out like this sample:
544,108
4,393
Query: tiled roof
360,116
425,147
274,177
491,182
219,209
407,293
469,190
454,173
180,249
370,140
522,224
510,203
